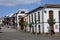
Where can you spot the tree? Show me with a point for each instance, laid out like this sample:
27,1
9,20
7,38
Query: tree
51,22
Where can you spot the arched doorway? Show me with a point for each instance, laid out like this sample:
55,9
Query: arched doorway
21,21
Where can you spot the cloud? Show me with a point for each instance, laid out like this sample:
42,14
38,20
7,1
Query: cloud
16,2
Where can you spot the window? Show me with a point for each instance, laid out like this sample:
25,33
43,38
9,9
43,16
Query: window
32,18
51,14
35,17
38,17
45,11
56,27
29,19
59,16
22,12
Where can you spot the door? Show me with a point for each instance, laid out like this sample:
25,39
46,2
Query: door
39,28
59,21
51,17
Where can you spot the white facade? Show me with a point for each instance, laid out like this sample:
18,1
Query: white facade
44,16
0,20
55,16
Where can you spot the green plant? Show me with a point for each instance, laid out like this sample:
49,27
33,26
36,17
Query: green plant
30,24
51,21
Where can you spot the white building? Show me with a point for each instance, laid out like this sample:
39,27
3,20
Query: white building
40,15
0,20
20,15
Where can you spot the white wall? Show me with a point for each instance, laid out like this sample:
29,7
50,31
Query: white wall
41,25
28,19
18,22
56,17
46,17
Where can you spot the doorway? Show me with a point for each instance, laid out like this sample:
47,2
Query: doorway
51,17
39,28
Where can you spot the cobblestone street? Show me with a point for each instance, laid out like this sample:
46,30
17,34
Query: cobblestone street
15,35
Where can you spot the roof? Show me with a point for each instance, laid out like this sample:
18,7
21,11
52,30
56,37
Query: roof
45,6
35,9
52,5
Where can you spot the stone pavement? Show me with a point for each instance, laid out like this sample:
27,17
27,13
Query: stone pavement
4,29
25,36
15,35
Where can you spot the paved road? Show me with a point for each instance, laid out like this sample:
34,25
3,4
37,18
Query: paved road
24,36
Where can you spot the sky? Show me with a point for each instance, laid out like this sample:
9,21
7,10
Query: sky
8,7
